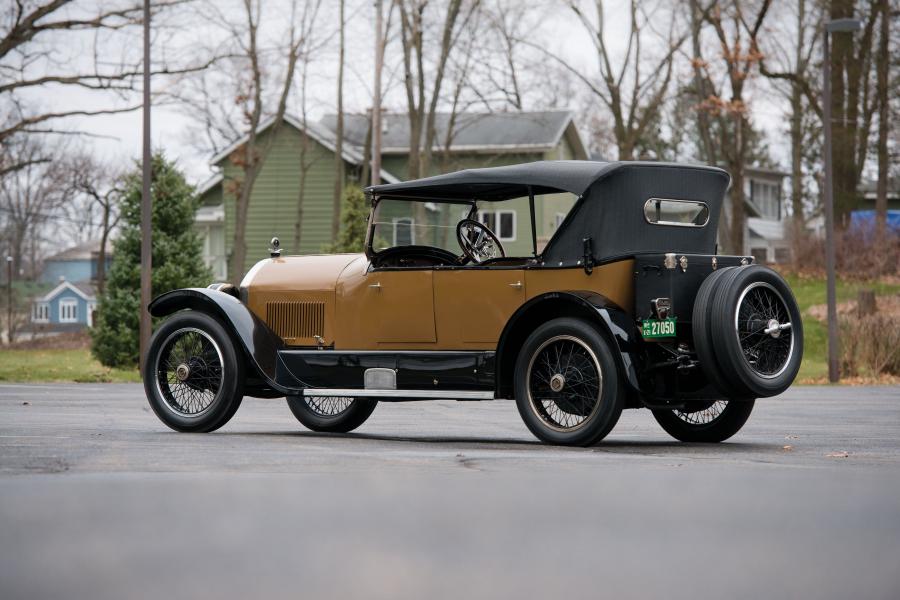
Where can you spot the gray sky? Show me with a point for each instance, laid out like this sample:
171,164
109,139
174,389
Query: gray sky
119,136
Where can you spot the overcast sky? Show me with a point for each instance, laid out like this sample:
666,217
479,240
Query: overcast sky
118,137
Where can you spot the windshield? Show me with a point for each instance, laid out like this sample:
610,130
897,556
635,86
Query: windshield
415,223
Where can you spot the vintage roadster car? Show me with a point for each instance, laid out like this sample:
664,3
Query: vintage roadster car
626,306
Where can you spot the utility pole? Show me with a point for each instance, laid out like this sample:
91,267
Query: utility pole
376,102
834,26
9,306
146,211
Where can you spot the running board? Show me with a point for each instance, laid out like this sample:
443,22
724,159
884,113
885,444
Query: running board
401,394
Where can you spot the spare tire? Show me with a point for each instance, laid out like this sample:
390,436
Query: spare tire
702,332
756,331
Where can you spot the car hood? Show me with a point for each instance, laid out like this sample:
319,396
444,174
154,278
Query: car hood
299,273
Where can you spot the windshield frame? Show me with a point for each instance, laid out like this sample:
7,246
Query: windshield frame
376,200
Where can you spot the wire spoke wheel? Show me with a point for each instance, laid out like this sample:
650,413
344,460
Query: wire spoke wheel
703,416
764,330
328,406
564,383
189,372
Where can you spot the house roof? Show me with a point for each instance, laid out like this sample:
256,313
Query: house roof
83,251
766,229
83,288
316,131
472,132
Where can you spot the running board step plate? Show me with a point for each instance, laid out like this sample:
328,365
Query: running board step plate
404,394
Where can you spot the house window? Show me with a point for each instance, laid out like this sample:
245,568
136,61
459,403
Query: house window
40,312
68,310
782,255
501,222
760,255
766,196
404,234
558,219
214,250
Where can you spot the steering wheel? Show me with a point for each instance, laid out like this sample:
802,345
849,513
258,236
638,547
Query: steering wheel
477,241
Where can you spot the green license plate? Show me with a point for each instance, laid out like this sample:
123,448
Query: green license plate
655,328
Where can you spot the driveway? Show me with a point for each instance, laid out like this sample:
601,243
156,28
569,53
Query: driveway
445,500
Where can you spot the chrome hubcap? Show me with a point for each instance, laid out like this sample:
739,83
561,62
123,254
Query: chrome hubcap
557,382
182,372
775,327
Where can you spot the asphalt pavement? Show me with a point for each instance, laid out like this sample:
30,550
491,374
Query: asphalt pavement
445,500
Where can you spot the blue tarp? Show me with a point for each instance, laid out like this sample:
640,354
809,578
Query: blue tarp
865,220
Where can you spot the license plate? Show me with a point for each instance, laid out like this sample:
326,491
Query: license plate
656,328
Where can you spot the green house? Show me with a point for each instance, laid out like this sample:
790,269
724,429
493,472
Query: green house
292,197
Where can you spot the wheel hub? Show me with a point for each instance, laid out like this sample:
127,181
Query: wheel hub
557,382
775,327
182,372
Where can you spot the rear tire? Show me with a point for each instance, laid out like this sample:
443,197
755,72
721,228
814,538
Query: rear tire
708,424
567,385
331,414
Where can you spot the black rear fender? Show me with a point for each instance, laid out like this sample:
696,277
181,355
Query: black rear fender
610,319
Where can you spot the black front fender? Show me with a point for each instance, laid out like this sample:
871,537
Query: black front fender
260,343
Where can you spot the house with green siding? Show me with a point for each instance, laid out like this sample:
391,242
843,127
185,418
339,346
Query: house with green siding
292,197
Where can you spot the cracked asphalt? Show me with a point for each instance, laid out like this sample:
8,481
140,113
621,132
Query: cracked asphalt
445,500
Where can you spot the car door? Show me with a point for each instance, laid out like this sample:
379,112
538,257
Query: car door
401,306
473,304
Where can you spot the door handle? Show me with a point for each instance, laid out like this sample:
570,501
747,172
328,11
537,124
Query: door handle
376,286
517,285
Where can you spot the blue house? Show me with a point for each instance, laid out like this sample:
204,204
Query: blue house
67,306
78,263
72,301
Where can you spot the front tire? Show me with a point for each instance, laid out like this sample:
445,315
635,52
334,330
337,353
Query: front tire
193,374
567,384
331,414
709,422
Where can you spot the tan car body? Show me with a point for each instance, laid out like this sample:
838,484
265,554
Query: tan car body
339,301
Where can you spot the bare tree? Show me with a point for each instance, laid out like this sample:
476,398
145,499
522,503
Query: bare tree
884,114
29,198
634,87
260,78
423,99
792,46
39,49
854,101
98,184
736,25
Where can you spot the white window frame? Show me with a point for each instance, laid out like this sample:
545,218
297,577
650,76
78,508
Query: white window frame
497,213
412,229
41,312
68,310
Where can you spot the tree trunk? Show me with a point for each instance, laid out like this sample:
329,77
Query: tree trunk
339,137
365,171
884,111
101,255
738,212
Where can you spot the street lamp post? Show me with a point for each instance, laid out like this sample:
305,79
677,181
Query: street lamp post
146,212
9,304
835,26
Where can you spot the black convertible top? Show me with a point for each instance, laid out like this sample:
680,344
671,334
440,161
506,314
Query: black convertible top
513,181
608,217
